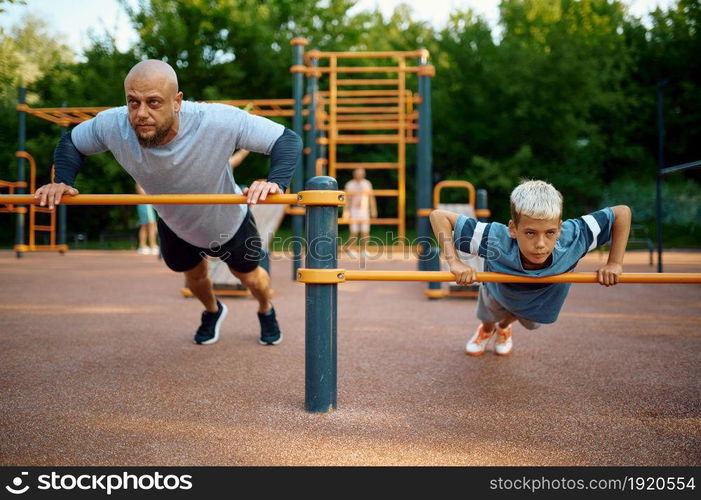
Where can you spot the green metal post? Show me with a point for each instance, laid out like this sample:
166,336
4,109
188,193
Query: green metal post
21,174
424,175
660,165
312,89
321,302
433,263
298,178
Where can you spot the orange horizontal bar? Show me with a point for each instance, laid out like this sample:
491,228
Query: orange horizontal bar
372,126
367,139
258,102
156,199
656,278
408,117
367,109
366,165
369,54
367,81
379,222
68,116
368,69
367,100
19,184
385,192
367,93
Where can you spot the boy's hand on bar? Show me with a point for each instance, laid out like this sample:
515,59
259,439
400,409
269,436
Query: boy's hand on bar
608,275
464,274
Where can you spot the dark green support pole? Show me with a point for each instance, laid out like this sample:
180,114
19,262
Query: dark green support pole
420,180
312,90
21,174
660,165
298,126
429,256
424,168
62,209
433,263
321,301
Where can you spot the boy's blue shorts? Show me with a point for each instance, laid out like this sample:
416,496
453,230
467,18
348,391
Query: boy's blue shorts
491,311
146,214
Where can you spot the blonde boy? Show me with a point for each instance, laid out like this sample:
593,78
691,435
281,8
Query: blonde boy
535,243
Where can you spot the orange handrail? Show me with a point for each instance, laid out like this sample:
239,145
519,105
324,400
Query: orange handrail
156,199
457,184
579,277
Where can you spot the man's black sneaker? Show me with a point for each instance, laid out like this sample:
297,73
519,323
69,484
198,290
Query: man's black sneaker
270,333
208,332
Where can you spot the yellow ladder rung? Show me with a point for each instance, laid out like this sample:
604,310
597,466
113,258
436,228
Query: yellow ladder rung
366,165
380,117
379,222
368,139
367,109
367,100
367,81
369,93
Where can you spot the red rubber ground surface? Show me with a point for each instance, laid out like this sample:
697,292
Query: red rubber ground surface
98,368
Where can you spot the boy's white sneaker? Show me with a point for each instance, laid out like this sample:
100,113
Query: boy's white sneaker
504,343
478,343
143,251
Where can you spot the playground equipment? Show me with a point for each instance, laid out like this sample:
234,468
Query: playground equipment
35,227
364,103
321,200
471,209
321,278
658,201
11,186
359,106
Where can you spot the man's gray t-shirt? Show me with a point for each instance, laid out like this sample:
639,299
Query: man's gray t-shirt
195,161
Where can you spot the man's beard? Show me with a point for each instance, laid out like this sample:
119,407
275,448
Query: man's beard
156,138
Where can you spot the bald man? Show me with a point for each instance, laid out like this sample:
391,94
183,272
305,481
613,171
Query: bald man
173,146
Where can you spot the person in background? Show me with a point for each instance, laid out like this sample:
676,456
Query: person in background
147,227
361,207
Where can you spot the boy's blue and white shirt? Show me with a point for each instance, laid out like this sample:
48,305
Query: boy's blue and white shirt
534,302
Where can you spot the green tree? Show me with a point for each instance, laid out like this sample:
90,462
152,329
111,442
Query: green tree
27,51
227,49
539,102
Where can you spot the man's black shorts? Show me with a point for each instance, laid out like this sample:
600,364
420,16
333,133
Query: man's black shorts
242,253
